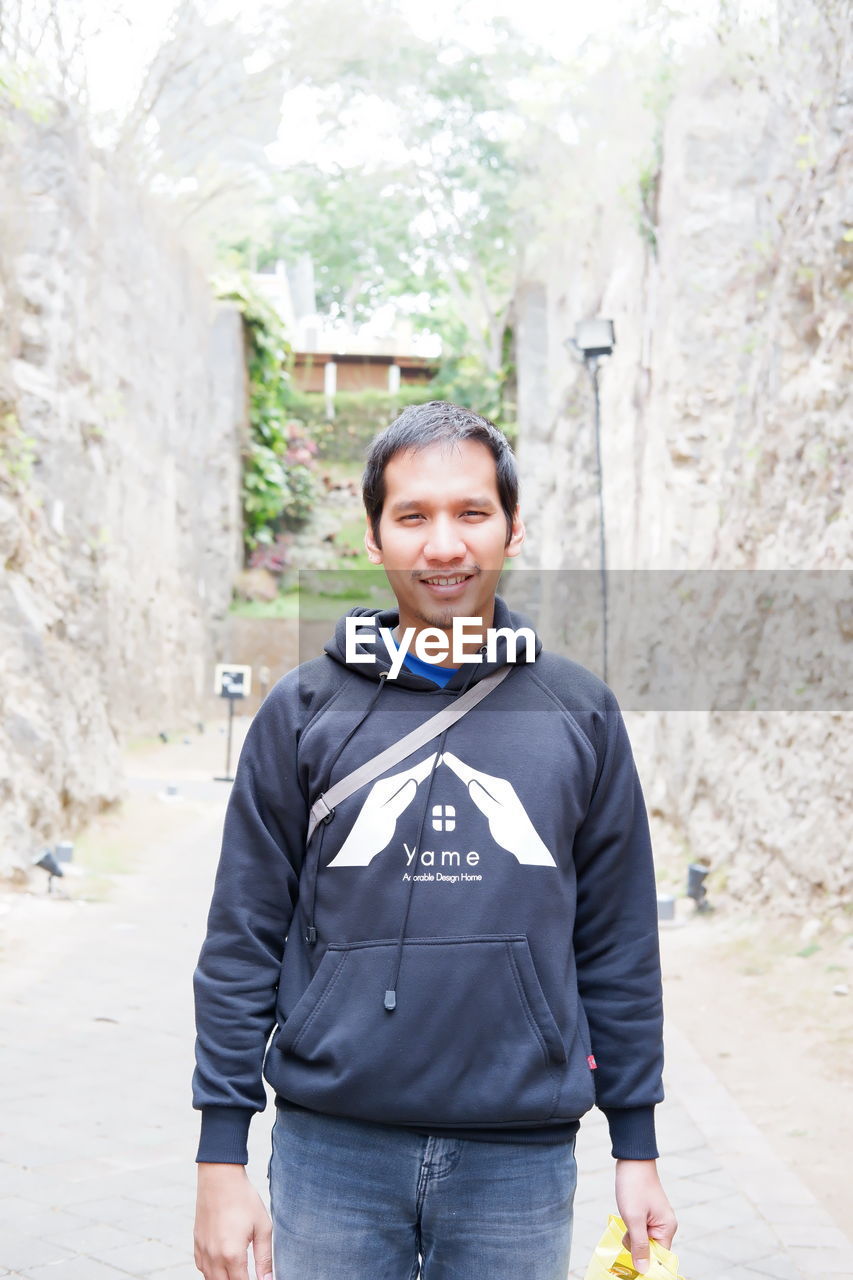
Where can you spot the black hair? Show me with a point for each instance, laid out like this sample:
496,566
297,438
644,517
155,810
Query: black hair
438,421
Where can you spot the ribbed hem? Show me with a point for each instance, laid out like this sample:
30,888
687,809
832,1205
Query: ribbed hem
224,1135
551,1135
632,1132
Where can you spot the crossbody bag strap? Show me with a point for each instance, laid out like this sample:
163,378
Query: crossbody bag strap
323,807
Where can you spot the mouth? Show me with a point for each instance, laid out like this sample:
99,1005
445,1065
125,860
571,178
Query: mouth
447,580
447,586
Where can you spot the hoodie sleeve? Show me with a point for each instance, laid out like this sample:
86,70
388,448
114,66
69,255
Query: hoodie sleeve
616,945
255,891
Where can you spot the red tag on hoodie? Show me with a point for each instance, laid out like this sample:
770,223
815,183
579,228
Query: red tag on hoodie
592,1062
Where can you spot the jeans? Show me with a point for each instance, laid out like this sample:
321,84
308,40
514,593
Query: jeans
357,1201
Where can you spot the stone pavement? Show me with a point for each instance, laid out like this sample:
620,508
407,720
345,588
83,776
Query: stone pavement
742,1214
97,1134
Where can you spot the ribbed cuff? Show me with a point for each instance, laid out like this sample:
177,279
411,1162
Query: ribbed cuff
632,1132
224,1135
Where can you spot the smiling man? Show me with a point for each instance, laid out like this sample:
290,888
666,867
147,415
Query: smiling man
460,958
442,519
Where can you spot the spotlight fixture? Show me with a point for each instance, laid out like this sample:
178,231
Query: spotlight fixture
594,338
696,890
48,863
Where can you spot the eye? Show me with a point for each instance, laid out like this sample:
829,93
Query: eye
475,513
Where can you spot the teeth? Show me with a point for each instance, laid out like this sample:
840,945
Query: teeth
446,582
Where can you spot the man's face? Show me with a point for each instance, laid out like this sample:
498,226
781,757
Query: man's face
443,534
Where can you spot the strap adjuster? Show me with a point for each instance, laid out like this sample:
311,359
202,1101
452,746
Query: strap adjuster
329,814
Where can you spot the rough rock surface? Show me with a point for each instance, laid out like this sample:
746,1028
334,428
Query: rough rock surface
122,407
726,421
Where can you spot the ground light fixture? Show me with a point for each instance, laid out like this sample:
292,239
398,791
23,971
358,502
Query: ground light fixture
696,890
48,863
593,340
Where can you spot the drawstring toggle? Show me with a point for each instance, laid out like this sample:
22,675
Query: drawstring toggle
390,1000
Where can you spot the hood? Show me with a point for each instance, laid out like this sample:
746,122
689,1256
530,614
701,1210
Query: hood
508,649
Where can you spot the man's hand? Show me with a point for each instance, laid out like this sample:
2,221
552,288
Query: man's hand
644,1209
509,824
229,1217
375,825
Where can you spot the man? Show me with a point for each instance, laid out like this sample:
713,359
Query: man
471,956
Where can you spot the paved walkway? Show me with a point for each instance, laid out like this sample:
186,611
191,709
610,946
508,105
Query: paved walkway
97,1134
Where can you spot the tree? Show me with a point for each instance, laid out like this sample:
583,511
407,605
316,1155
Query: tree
356,224
441,231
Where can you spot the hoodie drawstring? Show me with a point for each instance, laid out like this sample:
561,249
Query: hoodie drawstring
390,997
311,931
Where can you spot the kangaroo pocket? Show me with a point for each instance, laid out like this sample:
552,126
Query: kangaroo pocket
471,1041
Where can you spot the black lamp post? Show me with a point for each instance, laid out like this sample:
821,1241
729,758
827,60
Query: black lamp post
594,339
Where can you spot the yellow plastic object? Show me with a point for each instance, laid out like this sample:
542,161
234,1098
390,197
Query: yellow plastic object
612,1259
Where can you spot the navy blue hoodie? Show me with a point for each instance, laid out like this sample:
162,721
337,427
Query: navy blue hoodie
469,946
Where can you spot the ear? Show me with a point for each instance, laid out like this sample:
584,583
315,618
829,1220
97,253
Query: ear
374,551
516,538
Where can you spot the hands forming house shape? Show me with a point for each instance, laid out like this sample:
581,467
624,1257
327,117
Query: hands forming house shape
495,797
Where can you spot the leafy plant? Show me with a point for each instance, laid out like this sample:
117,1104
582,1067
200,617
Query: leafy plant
359,415
275,557
17,452
279,489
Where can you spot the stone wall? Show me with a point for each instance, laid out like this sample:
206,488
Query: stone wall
726,412
122,411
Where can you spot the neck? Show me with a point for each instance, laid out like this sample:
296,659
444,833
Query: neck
410,628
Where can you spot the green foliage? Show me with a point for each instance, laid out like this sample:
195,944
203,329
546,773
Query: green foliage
17,453
440,231
359,415
21,90
648,186
462,379
643,198
355,224
279,489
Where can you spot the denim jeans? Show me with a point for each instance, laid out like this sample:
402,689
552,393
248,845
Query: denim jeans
357,1201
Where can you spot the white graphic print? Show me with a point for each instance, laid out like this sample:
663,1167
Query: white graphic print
508,821
495,797
374,827
443,817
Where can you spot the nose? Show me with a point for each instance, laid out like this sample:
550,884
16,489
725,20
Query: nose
444,542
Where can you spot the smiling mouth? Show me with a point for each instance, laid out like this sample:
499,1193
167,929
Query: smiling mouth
446,579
